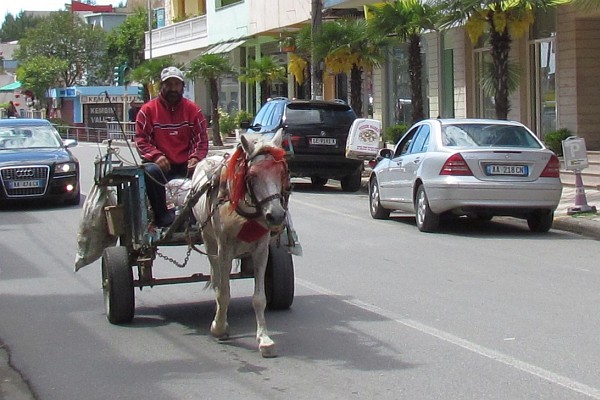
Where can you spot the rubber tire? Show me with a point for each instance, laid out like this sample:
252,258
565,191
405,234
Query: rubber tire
427,220
279,278
377,211
540,221
318,181
352,182
117,285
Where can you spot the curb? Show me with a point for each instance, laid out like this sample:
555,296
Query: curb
581,225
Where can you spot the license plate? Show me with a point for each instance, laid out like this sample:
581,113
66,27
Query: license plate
518,170
323,141
25,184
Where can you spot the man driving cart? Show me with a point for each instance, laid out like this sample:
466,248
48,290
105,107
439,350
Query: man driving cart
171,137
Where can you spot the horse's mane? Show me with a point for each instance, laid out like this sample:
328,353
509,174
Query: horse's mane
237,167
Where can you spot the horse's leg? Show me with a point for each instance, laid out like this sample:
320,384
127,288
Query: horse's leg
266,346
219,328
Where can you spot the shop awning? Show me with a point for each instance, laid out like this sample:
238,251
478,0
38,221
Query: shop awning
10,87
225,47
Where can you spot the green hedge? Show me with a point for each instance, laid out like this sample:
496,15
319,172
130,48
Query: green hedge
553,140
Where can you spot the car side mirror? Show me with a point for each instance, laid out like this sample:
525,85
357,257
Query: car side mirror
244,124
385,153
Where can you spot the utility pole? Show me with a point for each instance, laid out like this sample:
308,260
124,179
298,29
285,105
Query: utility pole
316,84
149,30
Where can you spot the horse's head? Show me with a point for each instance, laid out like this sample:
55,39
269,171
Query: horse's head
258,172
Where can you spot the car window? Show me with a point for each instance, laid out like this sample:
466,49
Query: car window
276,114
421,140
405,142
488,135
262,115
326,114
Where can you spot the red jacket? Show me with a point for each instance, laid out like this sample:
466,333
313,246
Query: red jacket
178,132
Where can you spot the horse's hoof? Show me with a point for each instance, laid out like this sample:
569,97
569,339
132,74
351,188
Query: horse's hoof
219,333
267,351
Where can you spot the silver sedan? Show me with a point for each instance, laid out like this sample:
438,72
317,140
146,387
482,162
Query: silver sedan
467,167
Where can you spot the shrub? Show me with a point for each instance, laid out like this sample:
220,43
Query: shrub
554,140
241,116
394,133
226,123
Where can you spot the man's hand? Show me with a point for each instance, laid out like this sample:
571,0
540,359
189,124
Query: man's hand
191,166
163,163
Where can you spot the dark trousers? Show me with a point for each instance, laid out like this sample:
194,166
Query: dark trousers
155,181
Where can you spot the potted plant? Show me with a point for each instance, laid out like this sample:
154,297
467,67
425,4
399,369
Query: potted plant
288,44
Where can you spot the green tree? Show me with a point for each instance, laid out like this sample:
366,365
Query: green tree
349,46
501,20
65,36
125,43
300,59
264,71
211,67
407,20
15,27
39,73
148,74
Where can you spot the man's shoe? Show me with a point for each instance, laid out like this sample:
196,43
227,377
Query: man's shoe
166,220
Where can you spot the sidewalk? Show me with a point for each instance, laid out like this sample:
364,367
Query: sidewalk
586,224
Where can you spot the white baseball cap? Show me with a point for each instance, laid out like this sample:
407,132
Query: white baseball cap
171,72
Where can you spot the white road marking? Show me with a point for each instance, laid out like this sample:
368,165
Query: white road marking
465,344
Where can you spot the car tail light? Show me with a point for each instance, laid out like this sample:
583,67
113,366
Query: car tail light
289,142
552,169
455,165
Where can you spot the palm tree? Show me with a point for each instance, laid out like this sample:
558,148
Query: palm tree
502,20
264,71
407,20
212,67
148,74
300,59
347,45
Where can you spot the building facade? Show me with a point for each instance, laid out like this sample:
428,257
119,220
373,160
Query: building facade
557,63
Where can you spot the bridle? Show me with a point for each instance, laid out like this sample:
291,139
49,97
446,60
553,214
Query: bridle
250,200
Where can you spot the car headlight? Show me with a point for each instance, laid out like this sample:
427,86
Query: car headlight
64,168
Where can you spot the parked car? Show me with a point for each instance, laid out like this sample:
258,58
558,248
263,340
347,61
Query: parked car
315,133
467,167
35,163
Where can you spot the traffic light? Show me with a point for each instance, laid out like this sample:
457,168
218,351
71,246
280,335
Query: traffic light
141,92
118,75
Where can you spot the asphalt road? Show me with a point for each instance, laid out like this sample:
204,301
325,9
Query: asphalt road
482,310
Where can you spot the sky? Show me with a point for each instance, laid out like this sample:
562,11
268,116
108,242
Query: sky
15,6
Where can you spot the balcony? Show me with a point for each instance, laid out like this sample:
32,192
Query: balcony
182,37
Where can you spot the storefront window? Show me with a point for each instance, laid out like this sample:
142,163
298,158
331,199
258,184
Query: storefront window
401,104
484,102
543,64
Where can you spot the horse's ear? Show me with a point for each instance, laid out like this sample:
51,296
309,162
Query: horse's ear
278,138
247,145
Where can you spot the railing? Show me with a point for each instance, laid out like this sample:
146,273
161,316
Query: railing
86,134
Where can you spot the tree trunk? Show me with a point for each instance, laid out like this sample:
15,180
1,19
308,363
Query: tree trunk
356,88
500,49
214,98
415,72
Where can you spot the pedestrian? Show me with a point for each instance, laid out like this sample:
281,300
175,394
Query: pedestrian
12,110
134,108
171,137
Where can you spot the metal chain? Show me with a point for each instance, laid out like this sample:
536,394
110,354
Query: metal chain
172,260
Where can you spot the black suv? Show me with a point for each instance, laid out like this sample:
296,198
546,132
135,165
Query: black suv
315,134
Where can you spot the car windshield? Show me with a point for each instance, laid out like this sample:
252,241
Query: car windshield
488,135
29,137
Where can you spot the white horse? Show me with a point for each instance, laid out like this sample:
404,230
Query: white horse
238,214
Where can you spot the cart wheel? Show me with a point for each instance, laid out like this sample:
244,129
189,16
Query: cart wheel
279,278
117,285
